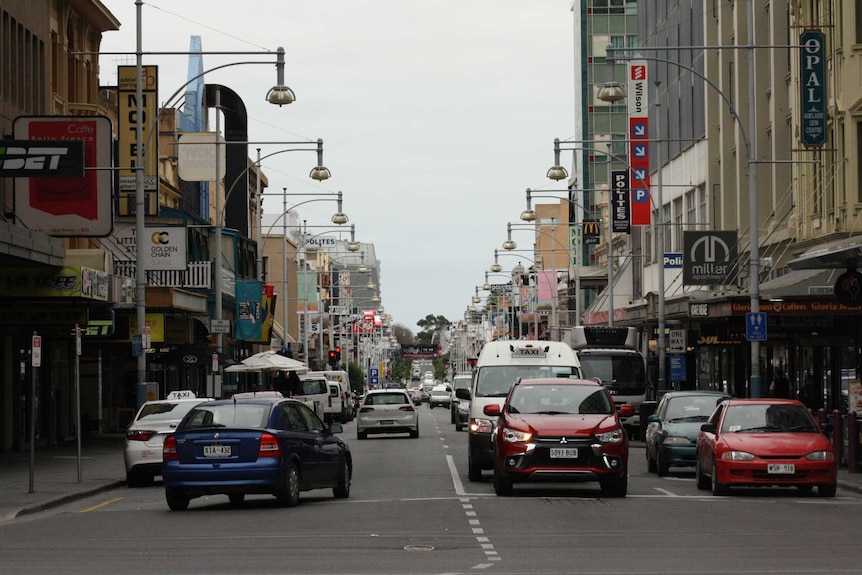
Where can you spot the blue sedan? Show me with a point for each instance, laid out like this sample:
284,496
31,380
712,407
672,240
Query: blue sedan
671,432
246,446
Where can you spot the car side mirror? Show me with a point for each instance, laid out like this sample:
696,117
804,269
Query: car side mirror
654,419
462,393
627,410
492,409
335,428
708,428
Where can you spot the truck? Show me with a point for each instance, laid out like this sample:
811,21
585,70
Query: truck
611,356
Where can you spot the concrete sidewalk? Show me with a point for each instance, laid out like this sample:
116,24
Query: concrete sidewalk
55,474
55,478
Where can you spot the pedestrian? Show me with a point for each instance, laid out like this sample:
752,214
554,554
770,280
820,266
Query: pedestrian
810,393
780,386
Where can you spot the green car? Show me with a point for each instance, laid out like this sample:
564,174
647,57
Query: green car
671,432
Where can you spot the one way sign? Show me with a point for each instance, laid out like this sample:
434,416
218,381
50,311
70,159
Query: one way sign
755,326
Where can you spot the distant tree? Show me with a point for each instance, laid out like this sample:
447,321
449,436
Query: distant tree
403,334
431,325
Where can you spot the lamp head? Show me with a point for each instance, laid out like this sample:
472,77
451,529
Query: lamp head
509,245
611,92
486,287
320,173
557,173
496,268
340,218
528,216
354,247
280,94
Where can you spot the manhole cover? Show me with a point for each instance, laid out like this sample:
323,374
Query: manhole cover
418,548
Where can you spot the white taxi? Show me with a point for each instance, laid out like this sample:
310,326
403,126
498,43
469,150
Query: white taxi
146,435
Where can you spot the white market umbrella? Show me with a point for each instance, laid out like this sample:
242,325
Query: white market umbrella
268,361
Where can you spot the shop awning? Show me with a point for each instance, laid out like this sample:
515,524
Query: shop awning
842,254
801,283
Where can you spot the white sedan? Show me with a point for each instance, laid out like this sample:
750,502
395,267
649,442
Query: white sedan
145,436
387,411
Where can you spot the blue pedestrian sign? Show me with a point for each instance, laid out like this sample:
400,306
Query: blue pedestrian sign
755,326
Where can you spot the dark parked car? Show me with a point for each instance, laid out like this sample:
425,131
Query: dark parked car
237,447
671,432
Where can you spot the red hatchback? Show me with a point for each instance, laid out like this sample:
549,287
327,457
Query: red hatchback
560,430
764,442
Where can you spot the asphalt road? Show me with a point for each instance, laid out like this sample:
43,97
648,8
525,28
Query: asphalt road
412,510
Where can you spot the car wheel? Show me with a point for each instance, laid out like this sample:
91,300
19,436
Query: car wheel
342,490
361,435
616,487
700,479
474,471
236,499
502,484
650,462
288,495
177,500
660,464
717,488
827,490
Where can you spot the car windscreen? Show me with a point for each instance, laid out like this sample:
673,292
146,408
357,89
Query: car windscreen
234,414
764,417
314,387
165,410
497,380
560,399
623,374
690,408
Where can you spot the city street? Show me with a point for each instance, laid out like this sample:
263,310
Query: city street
412,510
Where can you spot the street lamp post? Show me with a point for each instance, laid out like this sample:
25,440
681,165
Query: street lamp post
611,91
279,95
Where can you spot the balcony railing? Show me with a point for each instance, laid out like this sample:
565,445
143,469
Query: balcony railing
197,275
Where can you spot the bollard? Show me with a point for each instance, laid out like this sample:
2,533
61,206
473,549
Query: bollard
852,442
837,436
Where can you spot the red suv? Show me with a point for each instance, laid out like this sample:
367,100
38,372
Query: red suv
560,430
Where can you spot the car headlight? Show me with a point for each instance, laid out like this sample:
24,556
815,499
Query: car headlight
820,456
516,435
737,456
481,426
613,436
676,441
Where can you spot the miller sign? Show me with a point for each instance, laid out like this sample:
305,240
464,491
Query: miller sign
708,257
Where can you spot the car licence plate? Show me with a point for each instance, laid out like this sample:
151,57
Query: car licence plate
216,450
781,468
387,422
564,453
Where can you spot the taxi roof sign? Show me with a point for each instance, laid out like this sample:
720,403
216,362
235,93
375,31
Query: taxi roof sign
182,394
529,351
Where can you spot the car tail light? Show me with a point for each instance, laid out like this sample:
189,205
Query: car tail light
269,446
139,434
330,401
366,409
169,450
406,408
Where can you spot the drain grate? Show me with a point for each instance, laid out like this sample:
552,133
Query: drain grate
418,548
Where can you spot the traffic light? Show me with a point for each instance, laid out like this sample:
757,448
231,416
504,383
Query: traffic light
337,354
332,358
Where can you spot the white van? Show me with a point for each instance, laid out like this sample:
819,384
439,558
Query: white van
314,392
343,380
499,365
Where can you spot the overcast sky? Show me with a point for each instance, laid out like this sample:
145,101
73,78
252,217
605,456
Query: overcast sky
436,116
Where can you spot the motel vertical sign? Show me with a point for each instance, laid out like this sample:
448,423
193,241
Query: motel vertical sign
813,90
